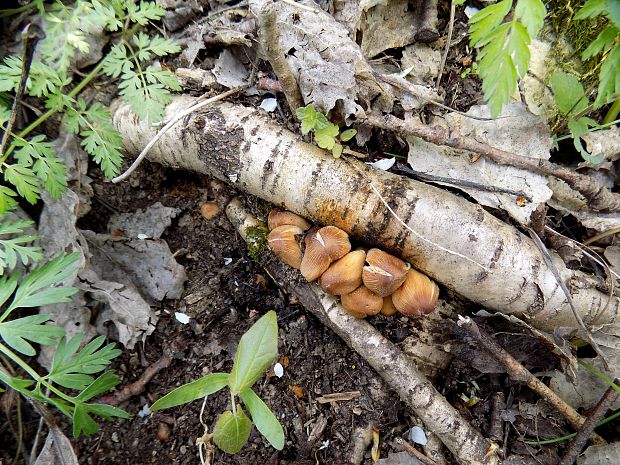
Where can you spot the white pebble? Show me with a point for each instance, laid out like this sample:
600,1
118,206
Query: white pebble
383,164
269,104
416,434
181,317
278,369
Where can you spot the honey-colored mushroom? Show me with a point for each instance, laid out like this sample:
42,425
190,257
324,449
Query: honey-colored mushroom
344,275
279,217
388,308
417,295
384,272
362,302
283,242
323,246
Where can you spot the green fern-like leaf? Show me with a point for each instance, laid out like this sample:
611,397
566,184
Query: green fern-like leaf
24,180
146,96
609,77
144,12
42,79
7,202
117,61
504,53
12,249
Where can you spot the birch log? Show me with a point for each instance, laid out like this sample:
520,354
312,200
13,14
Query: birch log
454,241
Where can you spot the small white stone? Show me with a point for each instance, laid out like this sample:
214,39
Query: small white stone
470,11
278,369
142,236
324,445
181,317
417,435
227,261
383,164
269,104
144,411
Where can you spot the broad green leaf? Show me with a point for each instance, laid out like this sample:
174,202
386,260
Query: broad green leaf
103,383
603,42
189,392
7,287
231,431
609,78
34,290
613,11
307,116
592,8
532,14
337,150
71,367
257,349
326,136
264,419
347,135
16,333
568,93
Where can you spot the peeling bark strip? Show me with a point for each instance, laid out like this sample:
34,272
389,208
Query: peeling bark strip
466,444
245,148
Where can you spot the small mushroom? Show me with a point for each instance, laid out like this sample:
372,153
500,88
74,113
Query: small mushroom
417,295
362,302
281,217
388,308
384,273
283,242
344,275
323,246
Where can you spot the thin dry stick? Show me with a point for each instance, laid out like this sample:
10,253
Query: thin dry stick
171,123
602,235
448,40
519,373
554,270
588,426
599,198
415,452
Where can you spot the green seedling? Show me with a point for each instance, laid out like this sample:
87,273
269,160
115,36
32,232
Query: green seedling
326,134
257,349
72,367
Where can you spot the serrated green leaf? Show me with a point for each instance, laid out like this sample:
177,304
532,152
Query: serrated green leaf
348,135
487,20
18,247
8,284
579,128
24,180
591,8
609,78
264,419
6,200
15,382
16,333
42,79
257,349
613,11
603,42
72,368
161,46
568,93
231,432
144,12
189,392
103,383
116,61
145,94
34,290
532,14
326,136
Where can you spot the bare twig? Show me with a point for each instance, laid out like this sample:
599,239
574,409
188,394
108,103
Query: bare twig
415,452
554,270
30,35
604,404
519,373
599,198
138,386
448,41
178,117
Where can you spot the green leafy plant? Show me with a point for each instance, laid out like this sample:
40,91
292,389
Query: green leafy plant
256,352
72,367
326,134
503,46
30,164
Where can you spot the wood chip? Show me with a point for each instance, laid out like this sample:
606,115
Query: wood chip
338,396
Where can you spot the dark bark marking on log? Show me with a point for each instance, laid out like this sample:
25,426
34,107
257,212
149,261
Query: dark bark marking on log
309,194
473,238
226,142
267,169
498,253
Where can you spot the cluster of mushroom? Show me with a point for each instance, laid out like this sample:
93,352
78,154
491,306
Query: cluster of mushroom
368,282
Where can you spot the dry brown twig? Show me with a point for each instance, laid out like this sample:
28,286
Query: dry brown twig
519,373
599,198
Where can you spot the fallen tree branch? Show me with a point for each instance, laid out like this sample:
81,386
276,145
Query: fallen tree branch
519,373
246,149
599,198
466,443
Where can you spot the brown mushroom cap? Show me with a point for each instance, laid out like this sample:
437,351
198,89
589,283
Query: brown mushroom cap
344,275
283,243
279,217
362,302
323,246
388,308
384,273
417,295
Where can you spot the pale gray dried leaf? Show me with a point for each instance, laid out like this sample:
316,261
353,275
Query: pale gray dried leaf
606,142
147,264
516,131
572,202
57,450
387,25
317,53
151,221
399,458
536,93
612,254
423,60
229,70
606,454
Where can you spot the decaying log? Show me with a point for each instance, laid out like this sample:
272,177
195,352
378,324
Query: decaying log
467,444
452,240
